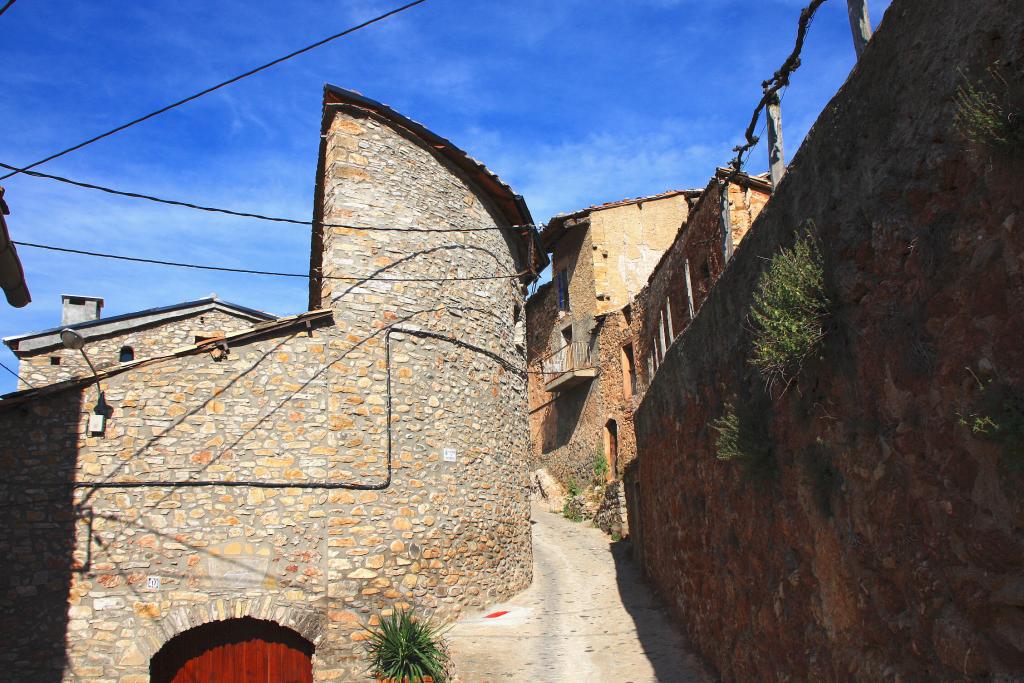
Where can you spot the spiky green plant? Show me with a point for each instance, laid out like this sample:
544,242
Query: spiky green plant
789,310
403,647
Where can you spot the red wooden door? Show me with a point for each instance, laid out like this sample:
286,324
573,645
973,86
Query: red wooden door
234,651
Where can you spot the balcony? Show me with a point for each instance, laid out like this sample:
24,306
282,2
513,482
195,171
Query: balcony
568,367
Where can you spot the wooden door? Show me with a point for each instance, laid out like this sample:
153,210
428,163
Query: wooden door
234,651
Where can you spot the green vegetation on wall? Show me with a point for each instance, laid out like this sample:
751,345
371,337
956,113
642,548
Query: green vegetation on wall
740,440
600,465
789,310
999,417
987,118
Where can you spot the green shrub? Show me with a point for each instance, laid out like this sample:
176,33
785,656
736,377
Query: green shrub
402,646
987,118
727,445
789,310
574,488
571,511
741,439
600,465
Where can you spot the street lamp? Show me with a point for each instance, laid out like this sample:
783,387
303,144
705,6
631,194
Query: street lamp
74,341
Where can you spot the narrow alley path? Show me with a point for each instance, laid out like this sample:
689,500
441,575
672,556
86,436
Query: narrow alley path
587,616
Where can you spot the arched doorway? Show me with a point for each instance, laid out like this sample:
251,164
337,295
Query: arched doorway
234,651
611,449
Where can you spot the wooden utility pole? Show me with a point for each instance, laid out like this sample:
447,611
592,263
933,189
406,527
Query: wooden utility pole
860,23
776,157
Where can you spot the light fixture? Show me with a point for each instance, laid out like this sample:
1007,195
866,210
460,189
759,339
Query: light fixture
74,341
71,339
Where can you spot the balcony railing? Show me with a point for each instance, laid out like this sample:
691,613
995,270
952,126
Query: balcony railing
568,366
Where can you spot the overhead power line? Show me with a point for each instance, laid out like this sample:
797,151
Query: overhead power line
771,87
211,89
230,212
247,271
4,366
6,6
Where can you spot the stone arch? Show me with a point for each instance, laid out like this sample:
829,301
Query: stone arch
234,648
303,619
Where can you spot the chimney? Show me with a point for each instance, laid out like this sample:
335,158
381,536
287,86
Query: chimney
79,309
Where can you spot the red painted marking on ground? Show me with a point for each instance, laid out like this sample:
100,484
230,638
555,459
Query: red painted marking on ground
492,615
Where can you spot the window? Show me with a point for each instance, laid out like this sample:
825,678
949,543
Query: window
54,360
562,282
668,317
127,354
628,372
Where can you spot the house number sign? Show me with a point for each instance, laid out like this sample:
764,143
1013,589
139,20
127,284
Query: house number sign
449,454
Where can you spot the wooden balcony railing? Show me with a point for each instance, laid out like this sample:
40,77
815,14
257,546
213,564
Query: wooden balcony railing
572,356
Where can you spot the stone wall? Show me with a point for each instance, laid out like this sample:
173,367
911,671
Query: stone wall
628,240
302,479
887,544
148,341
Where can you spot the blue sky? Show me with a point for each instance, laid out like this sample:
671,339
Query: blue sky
572,102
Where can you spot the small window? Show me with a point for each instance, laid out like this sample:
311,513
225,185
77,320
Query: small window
54,360
562,281
127,354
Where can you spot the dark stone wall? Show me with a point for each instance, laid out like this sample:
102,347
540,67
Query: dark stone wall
889,542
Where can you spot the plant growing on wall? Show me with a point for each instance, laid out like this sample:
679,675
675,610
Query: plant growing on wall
987,118
600,465
789,310
405,649
739,440
999,417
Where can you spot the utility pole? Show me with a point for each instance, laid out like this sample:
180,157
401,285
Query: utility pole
860,24
776,157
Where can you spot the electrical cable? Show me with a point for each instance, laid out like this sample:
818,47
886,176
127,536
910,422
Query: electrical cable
247,271
7,6
230,212
211,89
20,378
771,87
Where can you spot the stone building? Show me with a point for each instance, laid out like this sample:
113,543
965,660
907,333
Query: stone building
626,275
581,401
296,477
123,338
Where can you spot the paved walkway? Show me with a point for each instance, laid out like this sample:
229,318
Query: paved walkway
588,616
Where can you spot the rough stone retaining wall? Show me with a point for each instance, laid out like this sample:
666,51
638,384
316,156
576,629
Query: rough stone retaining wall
888,545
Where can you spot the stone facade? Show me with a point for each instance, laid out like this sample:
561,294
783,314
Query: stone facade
569,427
606,252
368,455
887,545
50,364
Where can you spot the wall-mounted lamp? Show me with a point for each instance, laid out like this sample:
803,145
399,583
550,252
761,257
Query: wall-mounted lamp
74,341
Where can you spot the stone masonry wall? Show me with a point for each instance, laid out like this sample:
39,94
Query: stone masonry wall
264,484
148,341
887,545
627,243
